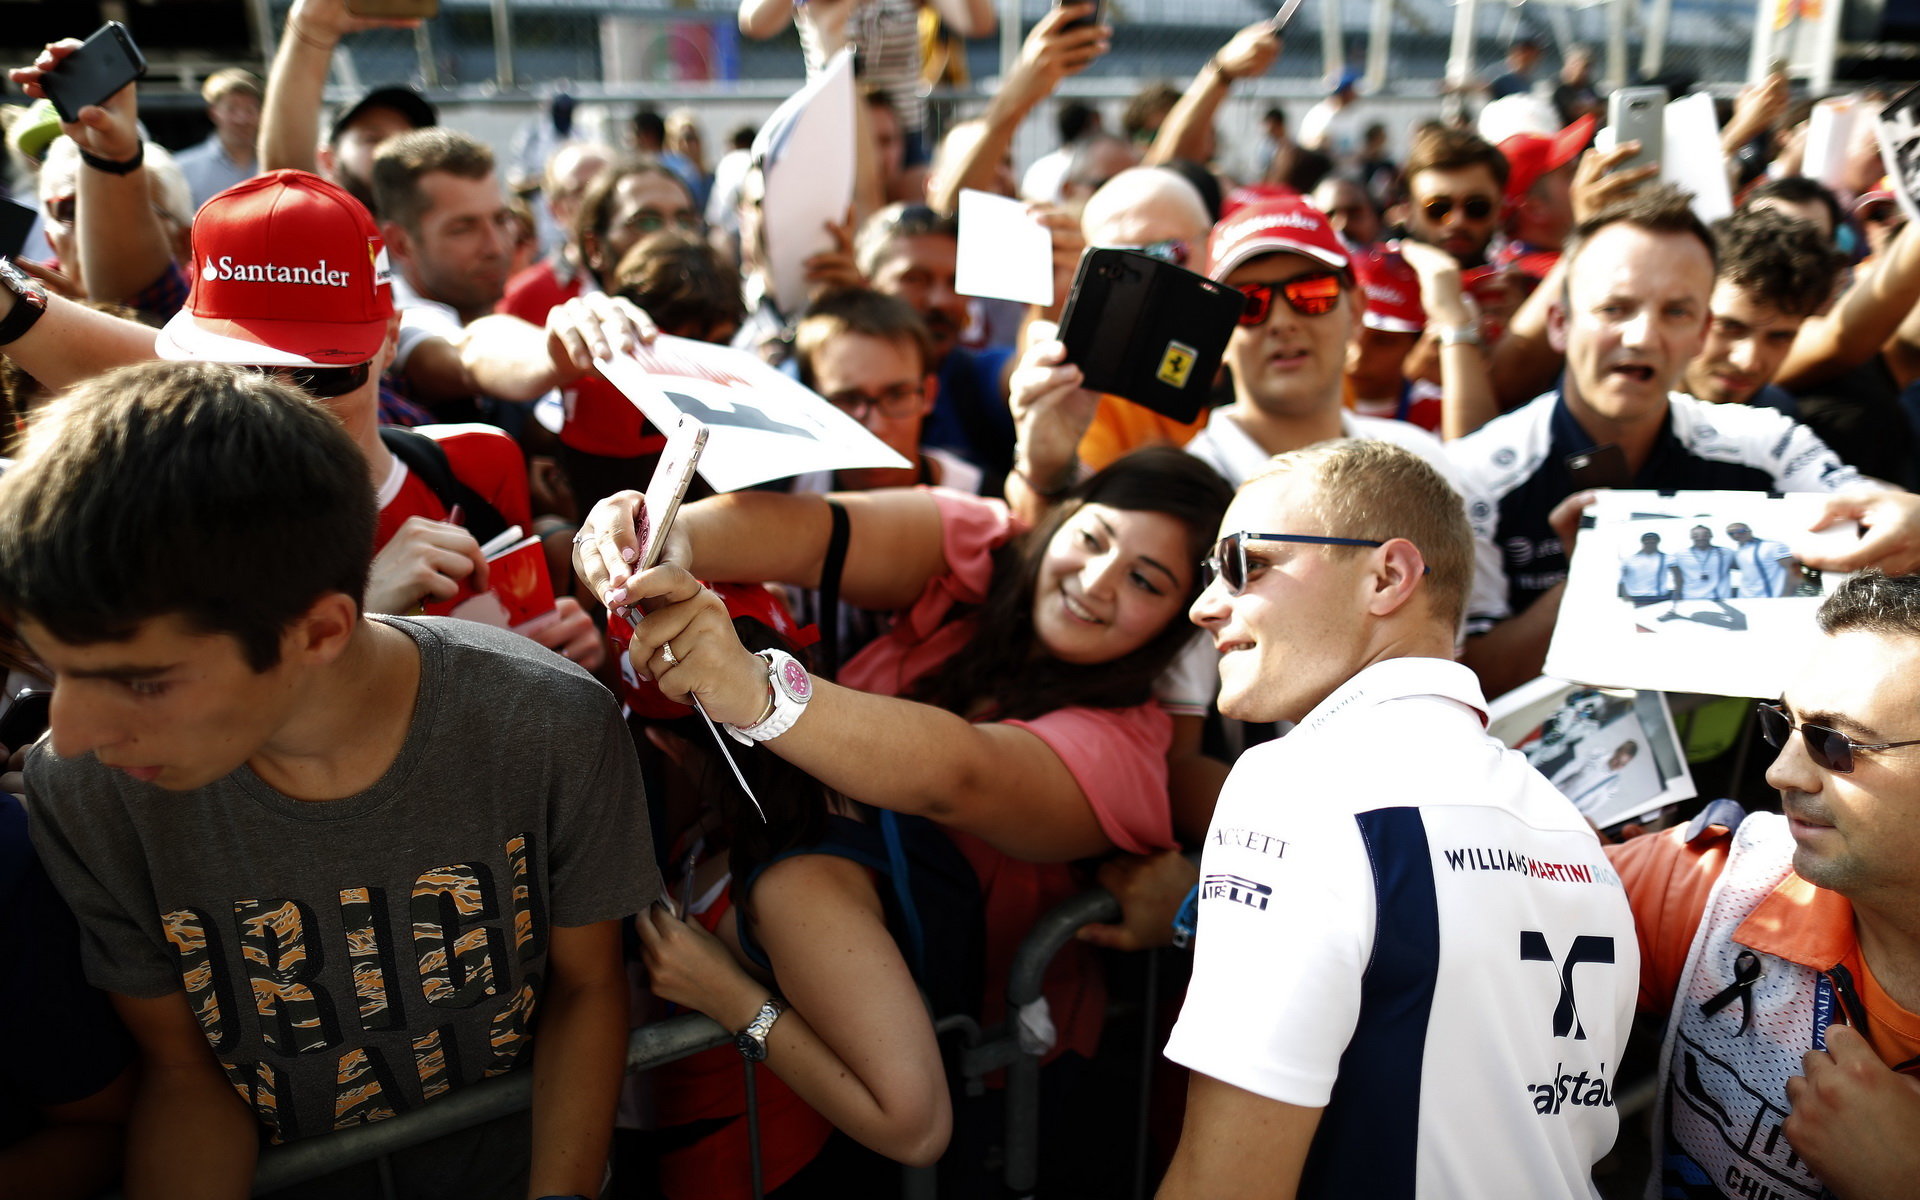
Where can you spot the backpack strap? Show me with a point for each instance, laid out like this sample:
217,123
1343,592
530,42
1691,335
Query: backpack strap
427,459
827,661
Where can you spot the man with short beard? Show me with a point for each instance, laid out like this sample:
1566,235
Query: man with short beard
1456,184
1781,948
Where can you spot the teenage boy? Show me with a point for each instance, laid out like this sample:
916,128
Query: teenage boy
317,860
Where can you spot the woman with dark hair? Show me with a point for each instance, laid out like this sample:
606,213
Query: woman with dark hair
1012,700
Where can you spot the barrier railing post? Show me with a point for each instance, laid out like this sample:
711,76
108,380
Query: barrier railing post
1030,961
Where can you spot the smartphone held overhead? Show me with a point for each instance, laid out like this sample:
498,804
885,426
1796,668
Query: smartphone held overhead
1639,115
106,62
1148,331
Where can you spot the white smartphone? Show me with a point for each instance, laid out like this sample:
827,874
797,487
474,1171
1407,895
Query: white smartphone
671,477
1639,114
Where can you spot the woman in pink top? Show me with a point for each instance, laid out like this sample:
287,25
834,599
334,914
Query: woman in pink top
1012,701
1079,615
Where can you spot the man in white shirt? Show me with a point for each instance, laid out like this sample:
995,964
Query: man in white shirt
227,156
1706,570
1767,569
1647,576
1414,964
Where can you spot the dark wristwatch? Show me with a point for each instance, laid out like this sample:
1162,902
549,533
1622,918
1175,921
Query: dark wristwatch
752,1041
29,302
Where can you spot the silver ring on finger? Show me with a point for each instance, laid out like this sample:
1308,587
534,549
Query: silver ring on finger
582,536
666,652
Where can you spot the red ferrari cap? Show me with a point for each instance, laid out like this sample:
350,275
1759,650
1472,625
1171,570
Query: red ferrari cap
288,270
1285,225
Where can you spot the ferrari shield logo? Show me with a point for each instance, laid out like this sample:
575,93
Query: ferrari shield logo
1177,364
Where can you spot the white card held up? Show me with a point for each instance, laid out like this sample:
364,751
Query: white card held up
1691,158
807,151
761,425
1694,591
1005,252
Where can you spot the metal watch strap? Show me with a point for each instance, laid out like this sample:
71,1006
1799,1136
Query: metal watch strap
752,1041
29,302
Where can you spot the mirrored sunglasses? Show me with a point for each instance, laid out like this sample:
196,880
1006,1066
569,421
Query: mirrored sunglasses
1311,295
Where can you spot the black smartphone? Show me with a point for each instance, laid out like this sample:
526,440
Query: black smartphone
104,63
1093,18
16,222
1600,467
26,718
1148,331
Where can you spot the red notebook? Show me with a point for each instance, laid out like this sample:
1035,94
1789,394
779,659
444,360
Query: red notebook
518,589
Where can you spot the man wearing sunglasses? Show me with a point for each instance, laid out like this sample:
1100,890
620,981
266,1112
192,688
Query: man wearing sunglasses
1782,948
1456,181
1414,965
292,278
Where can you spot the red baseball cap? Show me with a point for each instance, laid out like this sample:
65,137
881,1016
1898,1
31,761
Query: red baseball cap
1393,291
1284,225
1531,155
288,270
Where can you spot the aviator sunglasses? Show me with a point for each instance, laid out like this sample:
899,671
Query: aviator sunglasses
1829,749
1473,208
1228,562
1311,295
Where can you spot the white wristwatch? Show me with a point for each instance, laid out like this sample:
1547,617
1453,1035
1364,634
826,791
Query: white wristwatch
792,688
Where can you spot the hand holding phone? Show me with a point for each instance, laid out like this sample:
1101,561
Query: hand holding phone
1092,18
93,72
1639,115
671,477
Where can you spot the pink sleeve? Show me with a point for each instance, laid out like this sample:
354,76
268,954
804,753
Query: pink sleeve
1118,756
971,529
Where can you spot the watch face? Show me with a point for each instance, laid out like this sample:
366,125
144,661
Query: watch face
795,680
751,1048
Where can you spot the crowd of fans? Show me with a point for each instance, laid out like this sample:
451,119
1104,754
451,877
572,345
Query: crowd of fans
301,859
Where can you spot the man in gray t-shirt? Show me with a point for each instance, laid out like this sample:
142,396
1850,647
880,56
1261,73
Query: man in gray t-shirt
330,867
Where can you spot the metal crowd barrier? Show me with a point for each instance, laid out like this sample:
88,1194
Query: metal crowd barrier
983,1052
679,1037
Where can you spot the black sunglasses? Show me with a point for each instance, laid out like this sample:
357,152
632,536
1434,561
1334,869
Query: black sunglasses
321,383
1228,562
1829,749
1473,208
1312,295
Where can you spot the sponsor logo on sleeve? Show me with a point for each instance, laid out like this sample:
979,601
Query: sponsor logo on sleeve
1251,839
1237,888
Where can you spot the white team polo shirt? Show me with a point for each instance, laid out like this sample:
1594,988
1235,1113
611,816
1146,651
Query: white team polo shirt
1403,923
